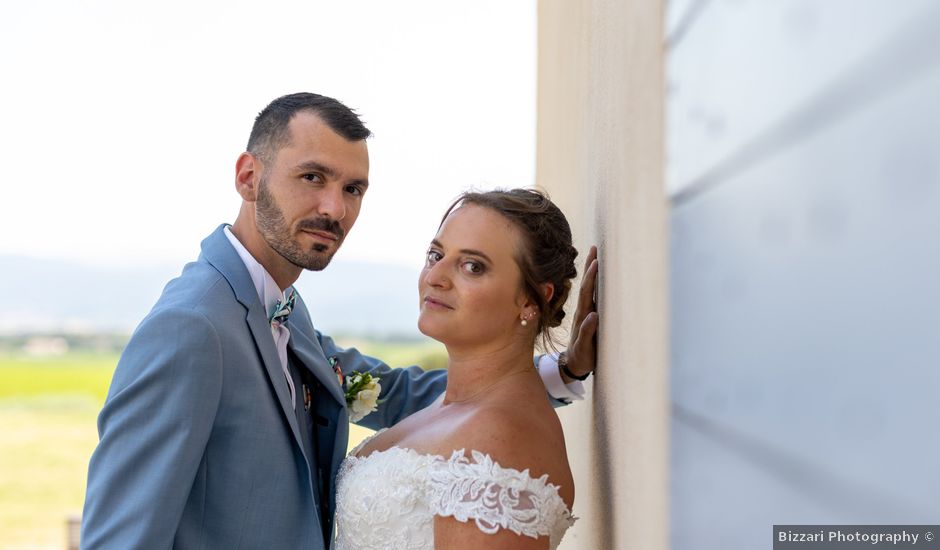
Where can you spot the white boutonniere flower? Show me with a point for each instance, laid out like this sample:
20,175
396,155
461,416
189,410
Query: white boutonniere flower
362,395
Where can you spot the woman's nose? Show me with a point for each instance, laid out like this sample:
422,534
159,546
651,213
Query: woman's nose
435,275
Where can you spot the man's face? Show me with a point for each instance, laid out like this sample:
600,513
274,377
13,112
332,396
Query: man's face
310,192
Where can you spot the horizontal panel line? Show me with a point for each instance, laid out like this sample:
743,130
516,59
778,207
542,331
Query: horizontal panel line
689,18
818,482
908,54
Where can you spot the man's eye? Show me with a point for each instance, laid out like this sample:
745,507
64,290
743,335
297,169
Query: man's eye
312,177
354,190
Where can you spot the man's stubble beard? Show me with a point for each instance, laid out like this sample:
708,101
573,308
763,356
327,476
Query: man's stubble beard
274,229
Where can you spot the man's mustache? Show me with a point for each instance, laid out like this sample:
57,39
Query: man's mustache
323,224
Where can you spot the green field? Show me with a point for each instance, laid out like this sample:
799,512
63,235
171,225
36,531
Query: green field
48,408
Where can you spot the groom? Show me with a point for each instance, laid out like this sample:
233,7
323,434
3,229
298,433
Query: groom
226,421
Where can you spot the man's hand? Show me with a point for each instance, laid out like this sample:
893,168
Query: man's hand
582,346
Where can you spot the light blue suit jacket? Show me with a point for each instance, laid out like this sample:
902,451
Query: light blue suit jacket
199,445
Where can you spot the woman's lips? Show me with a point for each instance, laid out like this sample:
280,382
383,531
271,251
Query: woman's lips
435,303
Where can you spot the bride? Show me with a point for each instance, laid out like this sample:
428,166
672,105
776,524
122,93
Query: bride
485,465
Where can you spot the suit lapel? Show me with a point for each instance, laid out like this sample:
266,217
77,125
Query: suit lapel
330,419
218,251
310,353
264,341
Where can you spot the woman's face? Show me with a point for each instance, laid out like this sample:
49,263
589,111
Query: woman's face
471,288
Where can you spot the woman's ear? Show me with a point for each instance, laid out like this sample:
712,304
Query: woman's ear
524,299
548,291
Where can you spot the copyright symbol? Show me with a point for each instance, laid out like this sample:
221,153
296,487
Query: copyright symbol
928,536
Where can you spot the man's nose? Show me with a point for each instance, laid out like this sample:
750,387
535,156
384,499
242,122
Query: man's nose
332,204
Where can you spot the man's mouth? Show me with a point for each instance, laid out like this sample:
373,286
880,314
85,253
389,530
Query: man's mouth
324,235
323,230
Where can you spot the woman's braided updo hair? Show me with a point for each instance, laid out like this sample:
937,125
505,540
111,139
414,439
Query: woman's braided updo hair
547,255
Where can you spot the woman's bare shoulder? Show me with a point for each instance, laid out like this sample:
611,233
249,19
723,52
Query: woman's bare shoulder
522,438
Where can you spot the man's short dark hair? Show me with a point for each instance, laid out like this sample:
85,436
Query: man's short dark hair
270,131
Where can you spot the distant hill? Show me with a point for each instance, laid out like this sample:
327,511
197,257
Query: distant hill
348,297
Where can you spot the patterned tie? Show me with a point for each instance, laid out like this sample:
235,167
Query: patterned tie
282,311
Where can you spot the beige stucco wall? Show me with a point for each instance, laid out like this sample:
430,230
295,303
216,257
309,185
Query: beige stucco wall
600,155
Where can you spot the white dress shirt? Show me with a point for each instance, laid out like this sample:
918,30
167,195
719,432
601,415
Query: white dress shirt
555,384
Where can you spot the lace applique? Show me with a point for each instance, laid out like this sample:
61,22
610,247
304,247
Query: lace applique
496,497
388,499
381,502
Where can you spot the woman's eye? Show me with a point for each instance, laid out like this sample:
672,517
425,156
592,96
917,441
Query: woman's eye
473,267
433,257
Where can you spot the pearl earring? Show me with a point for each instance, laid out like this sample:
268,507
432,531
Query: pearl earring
523,322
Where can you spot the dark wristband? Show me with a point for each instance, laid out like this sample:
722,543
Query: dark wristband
563,363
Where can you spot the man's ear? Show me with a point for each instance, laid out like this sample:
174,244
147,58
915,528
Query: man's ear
248,170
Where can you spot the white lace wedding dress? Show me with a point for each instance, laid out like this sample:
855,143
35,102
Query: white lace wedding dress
388,500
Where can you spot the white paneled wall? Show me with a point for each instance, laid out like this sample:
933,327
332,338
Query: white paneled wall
740,68
804,167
